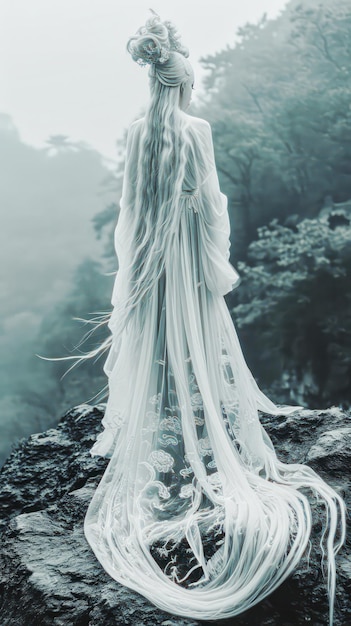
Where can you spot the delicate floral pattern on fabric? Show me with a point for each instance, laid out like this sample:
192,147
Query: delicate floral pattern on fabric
156,399
171,423
186,491
226,365
152,421
113,421
231,406
199,421
204,447
212,465
161,461
163,491
214,479
117,418
196,401
192,382
186,471
171,503
168,440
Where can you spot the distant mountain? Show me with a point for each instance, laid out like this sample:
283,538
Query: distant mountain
48,198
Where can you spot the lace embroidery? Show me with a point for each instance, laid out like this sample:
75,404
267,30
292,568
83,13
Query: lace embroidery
186,471
169,458
168,440
204,447
196,401
214,480
156,400
186,491
161,461
192,381
171,423
114,419
152,421
199,421
226,365
212,465
163,491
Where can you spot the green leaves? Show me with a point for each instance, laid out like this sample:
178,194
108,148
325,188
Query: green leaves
295,295
279,105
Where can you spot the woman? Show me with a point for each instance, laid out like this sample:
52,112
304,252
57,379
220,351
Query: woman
194,510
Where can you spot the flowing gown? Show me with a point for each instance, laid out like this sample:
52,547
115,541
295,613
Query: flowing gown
194,511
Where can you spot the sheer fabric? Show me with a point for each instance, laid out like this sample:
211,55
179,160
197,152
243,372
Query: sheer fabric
194,510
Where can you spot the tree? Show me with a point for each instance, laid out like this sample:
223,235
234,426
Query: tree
293,308
279,106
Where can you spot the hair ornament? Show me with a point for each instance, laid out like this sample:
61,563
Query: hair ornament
151,52
153,43
174,39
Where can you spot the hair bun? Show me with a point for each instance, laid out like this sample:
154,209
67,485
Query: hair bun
154,42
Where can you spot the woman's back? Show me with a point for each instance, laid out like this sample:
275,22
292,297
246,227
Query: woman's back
194,510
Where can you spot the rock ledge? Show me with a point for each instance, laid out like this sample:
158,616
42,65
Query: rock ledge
50,577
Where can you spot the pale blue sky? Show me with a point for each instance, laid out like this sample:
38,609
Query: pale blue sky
64,68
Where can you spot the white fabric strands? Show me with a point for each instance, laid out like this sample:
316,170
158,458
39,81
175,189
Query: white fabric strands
194,511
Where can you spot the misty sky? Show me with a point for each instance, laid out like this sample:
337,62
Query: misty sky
64,68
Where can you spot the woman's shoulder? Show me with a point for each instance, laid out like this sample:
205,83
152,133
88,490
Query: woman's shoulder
136,123
198,122
199,128
133,131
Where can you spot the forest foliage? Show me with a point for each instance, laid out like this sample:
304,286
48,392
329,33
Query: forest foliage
280,107
279,103
293,308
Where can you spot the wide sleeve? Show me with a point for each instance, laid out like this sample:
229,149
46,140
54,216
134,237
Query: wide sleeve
220,275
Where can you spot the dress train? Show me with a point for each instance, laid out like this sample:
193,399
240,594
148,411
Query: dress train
195,511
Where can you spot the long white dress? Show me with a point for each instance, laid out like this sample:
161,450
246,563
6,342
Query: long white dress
194,510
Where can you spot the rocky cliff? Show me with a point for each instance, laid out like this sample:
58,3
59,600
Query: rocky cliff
50,577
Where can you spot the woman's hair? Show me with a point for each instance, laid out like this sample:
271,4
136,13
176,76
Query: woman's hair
153,44
162,154
160,171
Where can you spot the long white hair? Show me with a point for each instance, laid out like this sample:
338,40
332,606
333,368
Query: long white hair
160,174
160,170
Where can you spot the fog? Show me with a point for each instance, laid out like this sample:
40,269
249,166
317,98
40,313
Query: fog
65,68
